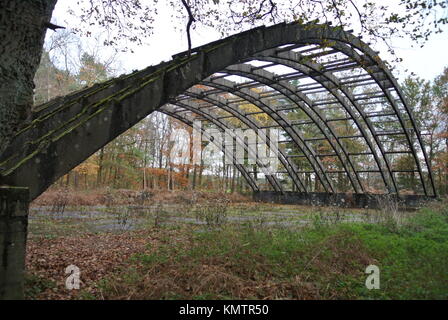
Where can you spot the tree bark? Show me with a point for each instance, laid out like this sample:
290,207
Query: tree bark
99,177
193,184
233,178
23,25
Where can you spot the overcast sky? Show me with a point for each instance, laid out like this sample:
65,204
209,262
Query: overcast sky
426,62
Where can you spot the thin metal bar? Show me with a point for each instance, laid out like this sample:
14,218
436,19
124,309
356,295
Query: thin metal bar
398,152
372,115
339,119
295,156
351,137
360,153
316,139
327,155
389,133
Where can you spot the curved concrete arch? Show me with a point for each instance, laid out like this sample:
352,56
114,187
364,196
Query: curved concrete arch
66,131
251,97
394,105
375,66
197,93
240,167
267,78
272,179
218,101
308,68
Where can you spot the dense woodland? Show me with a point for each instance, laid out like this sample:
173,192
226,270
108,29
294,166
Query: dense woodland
140,158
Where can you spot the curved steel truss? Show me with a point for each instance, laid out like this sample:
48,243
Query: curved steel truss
345,125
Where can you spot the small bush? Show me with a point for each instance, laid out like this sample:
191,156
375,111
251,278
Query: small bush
160,215
213,213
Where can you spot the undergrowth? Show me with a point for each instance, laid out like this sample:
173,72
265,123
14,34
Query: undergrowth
325,260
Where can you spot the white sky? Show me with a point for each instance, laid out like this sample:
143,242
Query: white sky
426,62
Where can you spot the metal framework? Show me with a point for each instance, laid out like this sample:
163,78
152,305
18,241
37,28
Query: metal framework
345,124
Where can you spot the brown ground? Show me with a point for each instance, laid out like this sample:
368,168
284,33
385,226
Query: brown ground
97,256
122,196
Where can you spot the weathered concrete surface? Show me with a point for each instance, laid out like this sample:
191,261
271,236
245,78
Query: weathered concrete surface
13,231
346,200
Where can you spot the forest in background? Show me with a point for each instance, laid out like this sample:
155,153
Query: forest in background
140,158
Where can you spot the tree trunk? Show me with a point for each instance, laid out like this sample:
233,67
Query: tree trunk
145,164
233,178
22,35
193,184
99,177
201,168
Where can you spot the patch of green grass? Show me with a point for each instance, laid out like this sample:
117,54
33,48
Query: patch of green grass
84,295
35,285
413,260
51,227
323,260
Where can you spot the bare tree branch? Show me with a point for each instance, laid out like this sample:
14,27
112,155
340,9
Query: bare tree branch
255,15
52,26
191,19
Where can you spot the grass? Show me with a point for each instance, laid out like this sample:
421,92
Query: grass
49,227
325,260
34,285
413,259
266,252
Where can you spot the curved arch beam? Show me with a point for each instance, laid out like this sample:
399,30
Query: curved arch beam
223,104
290,59
371,63
268,79
66,131
253,98
272,179
240,167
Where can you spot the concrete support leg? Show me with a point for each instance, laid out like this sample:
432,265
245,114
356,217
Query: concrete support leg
13,231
